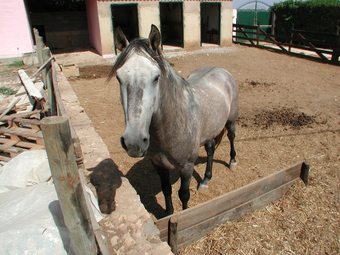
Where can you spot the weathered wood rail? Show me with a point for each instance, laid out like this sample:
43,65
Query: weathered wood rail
86,235
184,227
299,39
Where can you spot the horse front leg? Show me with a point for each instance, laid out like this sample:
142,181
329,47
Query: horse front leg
184,192
210,149
231,126
164,174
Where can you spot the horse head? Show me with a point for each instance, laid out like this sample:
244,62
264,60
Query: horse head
138,70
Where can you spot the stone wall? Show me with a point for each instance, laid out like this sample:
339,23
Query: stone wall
130,228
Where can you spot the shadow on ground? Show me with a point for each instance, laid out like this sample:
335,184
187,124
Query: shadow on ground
145,180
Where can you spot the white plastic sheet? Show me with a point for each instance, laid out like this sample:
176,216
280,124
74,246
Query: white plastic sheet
31,220
27,169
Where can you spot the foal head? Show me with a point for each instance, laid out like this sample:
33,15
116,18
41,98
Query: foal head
138,70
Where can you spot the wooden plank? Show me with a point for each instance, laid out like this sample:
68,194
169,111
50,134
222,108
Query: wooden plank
24,121
313,48
39,45
10,106
59,148
4,158
8,144
195,232
46,54
204,211
248,38
272,38
29,85
4,140
14,151
24,132
20,115
27,145
244,26
59,103
47,62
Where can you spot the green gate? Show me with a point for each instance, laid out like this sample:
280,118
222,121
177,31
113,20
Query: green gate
254,18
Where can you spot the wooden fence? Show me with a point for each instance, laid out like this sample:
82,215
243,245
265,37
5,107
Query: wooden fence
66,163
184,227
299,39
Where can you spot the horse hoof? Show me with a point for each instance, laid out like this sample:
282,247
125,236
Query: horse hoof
232,165
202,187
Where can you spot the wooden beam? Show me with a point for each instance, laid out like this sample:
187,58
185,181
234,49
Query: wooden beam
195,222
39,42
59,148
46,55
29,85
47,62
246,36
10,106
20,115
173,234
313,48
272,38
24,132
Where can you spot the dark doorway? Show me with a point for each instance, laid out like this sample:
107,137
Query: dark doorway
210,23
125,16
171,15
62,24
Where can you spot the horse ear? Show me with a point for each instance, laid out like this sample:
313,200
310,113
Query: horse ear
155,39
120,39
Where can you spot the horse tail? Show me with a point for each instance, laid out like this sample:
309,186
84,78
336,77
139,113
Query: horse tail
218,138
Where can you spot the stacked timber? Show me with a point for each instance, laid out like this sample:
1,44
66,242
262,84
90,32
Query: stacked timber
20,119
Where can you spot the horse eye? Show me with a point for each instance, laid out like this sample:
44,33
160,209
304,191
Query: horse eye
155,80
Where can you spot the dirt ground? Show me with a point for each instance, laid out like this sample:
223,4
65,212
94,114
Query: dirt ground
289,111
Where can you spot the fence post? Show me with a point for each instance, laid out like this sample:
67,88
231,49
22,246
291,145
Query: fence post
173,236
336,48
291,37
46,54
39,42
273,24
257,34
59,148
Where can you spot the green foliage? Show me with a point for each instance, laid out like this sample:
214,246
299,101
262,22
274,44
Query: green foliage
321,16
306,3
7,91
17,64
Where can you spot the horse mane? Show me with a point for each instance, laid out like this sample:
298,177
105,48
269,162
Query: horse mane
141,46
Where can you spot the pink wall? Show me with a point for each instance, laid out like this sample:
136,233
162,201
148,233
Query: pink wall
93,25
15,32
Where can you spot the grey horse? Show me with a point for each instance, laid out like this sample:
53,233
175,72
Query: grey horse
168,117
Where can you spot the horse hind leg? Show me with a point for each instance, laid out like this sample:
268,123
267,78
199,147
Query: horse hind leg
210,149
231,127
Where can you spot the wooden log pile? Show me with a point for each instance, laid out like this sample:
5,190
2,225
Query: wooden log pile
20,119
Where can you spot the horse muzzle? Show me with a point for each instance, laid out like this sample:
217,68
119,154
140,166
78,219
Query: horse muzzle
135,149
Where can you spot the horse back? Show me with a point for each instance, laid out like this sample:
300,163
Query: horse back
216,93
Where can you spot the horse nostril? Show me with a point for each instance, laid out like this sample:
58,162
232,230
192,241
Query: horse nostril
122,142
145,140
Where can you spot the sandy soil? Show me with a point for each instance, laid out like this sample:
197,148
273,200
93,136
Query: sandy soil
289,111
